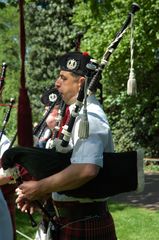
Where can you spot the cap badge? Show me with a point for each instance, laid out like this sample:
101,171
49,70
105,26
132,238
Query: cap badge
71,64
52,97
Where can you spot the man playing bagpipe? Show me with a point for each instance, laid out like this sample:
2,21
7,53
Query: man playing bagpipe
78,217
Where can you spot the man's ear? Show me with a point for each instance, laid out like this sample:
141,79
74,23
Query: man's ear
81,81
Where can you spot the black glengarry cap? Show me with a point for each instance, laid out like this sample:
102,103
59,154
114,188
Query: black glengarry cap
75,62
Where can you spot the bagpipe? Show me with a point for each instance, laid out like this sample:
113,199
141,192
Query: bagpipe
6,118
121,172
11,102
2,77
50,98
9,189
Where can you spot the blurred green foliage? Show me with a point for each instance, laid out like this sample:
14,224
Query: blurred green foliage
134,119
51,28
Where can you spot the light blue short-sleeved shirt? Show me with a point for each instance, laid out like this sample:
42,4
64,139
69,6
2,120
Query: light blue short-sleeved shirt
90,150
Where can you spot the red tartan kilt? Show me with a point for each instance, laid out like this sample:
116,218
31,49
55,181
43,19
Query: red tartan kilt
94,228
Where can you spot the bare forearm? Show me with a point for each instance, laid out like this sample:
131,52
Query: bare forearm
70,178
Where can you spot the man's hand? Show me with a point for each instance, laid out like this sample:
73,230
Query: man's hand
28,190
4,180
26,206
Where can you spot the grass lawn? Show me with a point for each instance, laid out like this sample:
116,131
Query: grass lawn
24,225
132,223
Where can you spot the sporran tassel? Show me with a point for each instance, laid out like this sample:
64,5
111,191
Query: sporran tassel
83,132
131,84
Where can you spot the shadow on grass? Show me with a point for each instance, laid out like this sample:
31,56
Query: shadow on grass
149,198
114,206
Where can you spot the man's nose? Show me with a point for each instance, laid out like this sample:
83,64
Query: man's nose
57,83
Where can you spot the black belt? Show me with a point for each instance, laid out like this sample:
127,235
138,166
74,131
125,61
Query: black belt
77,210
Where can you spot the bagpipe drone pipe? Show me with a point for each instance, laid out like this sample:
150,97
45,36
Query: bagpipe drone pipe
121,172
2,77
